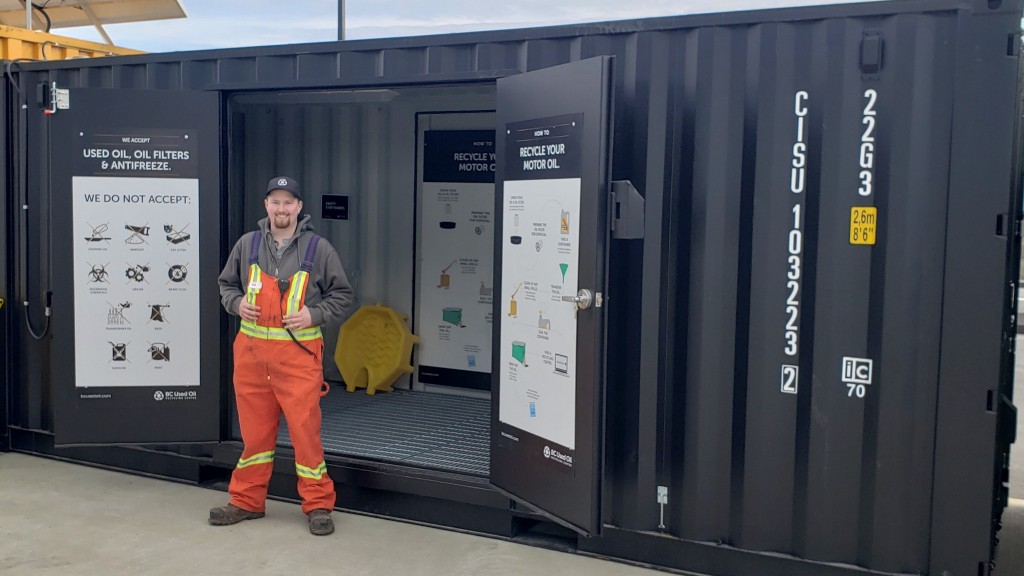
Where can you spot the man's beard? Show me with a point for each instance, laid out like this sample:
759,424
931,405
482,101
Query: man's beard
282,222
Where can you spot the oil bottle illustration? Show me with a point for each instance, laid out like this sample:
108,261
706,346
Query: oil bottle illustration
542,322
446,280
565,222
512,306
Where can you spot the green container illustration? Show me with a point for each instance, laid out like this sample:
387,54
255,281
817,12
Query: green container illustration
519,351
452,316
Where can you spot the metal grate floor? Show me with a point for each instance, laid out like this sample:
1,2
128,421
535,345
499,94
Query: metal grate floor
418,428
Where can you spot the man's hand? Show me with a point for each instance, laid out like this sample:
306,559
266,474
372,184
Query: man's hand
298,320
247,311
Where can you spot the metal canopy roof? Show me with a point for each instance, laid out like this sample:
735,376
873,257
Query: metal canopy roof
70,13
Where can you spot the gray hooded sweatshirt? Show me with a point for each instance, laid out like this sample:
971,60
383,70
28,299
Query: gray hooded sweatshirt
329,296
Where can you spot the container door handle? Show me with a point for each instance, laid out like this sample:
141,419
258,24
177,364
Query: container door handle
581,301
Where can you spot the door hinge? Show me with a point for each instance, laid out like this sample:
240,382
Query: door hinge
627,211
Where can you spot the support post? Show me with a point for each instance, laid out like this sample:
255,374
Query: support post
341,19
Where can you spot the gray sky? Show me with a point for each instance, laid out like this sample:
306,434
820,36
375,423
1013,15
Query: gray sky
231,23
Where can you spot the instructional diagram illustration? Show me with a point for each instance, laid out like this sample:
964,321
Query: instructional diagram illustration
134,262
455,249
538,331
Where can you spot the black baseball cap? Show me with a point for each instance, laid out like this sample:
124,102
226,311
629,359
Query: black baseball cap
284,183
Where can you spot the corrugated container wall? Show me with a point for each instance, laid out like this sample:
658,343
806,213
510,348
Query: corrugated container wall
798,387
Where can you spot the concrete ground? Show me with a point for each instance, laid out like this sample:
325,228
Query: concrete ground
58,518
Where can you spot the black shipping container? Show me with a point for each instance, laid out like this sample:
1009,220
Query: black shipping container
799,230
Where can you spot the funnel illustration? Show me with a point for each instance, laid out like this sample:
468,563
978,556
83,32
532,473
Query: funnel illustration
564,267
512,306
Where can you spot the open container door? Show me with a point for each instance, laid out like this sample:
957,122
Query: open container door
135,182
554,130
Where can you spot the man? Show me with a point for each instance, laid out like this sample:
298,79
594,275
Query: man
284,282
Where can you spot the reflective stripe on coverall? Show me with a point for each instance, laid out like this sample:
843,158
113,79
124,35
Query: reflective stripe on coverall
272,374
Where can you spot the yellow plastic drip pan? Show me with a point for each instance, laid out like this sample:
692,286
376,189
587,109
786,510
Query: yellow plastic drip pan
374,347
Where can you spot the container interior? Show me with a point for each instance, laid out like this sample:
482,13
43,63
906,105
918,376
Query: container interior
366,145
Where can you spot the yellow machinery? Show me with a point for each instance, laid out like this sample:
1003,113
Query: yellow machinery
34,45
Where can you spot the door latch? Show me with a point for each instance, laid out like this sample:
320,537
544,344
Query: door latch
662,501
581,301
53,98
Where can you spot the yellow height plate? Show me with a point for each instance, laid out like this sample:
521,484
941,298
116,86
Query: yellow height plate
863,225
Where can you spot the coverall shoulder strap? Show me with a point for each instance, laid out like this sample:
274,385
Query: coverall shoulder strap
254,248
307,260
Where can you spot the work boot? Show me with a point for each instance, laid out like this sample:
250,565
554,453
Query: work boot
231,514
320,523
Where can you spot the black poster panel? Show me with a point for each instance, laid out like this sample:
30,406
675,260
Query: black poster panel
458,156
552,188
136,192
544,149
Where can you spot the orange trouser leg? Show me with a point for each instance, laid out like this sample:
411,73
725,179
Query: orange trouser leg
258,418
297,377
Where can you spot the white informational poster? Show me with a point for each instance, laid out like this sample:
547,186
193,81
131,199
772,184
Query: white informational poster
458,276
456,258
538,335
136,292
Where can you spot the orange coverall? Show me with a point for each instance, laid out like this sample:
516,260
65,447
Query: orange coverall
273,374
